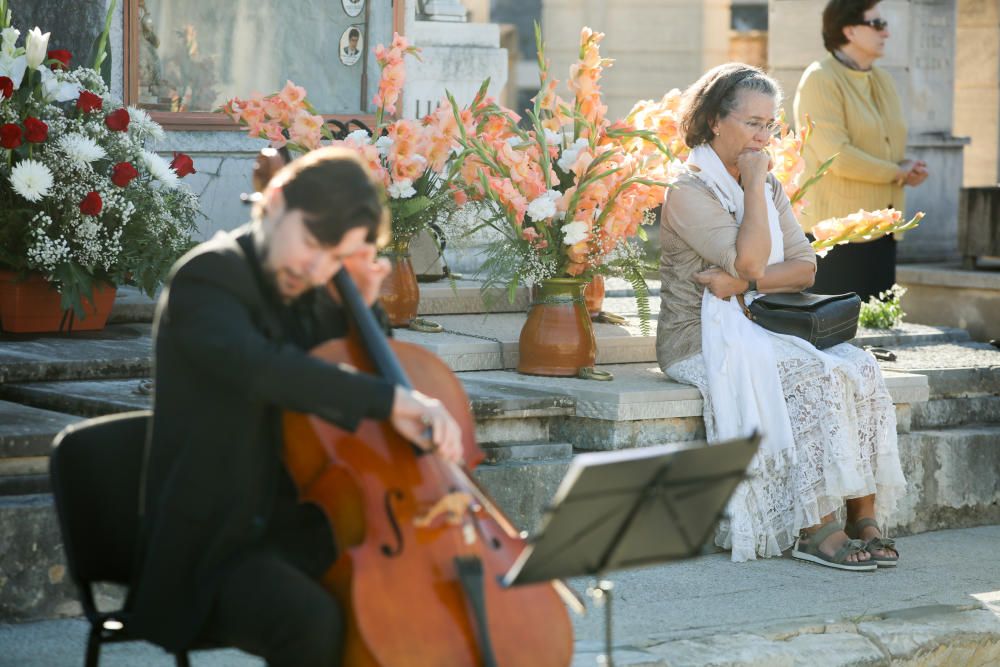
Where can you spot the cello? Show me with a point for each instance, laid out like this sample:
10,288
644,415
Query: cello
421,548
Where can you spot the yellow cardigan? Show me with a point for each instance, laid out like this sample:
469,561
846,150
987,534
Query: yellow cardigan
857,116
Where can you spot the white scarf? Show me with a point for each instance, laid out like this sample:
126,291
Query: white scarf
741,368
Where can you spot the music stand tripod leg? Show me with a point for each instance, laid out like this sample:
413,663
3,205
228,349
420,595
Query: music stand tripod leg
600,593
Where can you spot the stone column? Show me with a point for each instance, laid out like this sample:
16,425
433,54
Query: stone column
455,57
656,46
920,55
977,89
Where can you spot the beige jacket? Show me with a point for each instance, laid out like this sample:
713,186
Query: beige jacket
697,233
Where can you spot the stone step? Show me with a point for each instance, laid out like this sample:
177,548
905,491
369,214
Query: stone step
953,476
947,412
120,350
953,369
25,440
471,342
132,306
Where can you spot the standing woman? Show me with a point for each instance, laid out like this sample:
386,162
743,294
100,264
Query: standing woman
858,118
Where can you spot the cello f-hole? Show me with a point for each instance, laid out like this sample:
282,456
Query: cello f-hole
390,495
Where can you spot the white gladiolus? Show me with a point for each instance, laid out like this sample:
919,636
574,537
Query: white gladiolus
553,138
358,137
544,207
9,43
35,47
13,67
54,90
31,179
402,189
383,144
569,155
575,232
160,169
80,149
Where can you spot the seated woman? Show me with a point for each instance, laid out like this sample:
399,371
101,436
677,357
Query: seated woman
829,424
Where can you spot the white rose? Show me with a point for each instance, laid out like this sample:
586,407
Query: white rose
35,47
575,232
570,154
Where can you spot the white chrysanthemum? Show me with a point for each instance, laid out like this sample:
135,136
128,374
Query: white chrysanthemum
382,144
359,137
544,207
80,149
140,121
159,169
575,232
402,189
31,179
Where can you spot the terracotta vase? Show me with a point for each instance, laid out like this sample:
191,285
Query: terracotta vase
34,306
400,293
593,296
557,338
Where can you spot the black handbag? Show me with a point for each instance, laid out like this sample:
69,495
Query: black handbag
822,319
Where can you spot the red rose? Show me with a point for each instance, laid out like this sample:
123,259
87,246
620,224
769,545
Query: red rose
10,136
89,102
123,173
91,204
117,120
35,130
182,165
6,87
62,55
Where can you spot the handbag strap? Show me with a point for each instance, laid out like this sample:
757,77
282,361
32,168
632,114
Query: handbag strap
743,305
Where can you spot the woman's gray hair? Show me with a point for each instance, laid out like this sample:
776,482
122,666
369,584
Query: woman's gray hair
716,94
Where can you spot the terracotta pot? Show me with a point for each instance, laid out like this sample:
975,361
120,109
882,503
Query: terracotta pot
593,296
557,338
33,306
400,293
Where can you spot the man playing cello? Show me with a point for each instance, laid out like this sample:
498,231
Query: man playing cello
229,554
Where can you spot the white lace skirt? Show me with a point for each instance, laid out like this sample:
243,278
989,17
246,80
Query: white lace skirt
844,427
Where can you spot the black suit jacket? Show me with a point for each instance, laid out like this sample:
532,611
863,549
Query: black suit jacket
226,366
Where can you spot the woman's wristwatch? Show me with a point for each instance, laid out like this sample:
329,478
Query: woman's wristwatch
752,286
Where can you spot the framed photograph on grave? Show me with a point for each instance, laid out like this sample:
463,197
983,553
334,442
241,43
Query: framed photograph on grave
185,58
352,45
354,7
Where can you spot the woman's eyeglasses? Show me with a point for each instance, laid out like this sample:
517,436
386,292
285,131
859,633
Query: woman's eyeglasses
875,24
759,126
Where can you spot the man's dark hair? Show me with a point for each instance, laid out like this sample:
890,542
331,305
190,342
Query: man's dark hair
336,192
354,33
839,14
714,96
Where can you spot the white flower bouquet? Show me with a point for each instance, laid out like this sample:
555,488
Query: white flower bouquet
81,199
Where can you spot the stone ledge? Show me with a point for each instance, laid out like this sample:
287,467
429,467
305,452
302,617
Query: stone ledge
641,391
120,350
947,275
28,431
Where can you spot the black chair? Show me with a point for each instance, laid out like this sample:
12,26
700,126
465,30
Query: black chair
95,469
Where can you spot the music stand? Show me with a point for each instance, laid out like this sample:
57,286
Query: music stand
617,510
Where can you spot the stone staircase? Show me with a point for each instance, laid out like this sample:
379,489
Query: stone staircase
945,387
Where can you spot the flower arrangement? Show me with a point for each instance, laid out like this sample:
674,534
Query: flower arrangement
81,200
568,195
860,226
885,312
408,156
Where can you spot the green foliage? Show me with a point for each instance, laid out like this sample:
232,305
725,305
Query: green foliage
884,312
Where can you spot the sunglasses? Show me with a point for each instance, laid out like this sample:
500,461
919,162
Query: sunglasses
875,24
